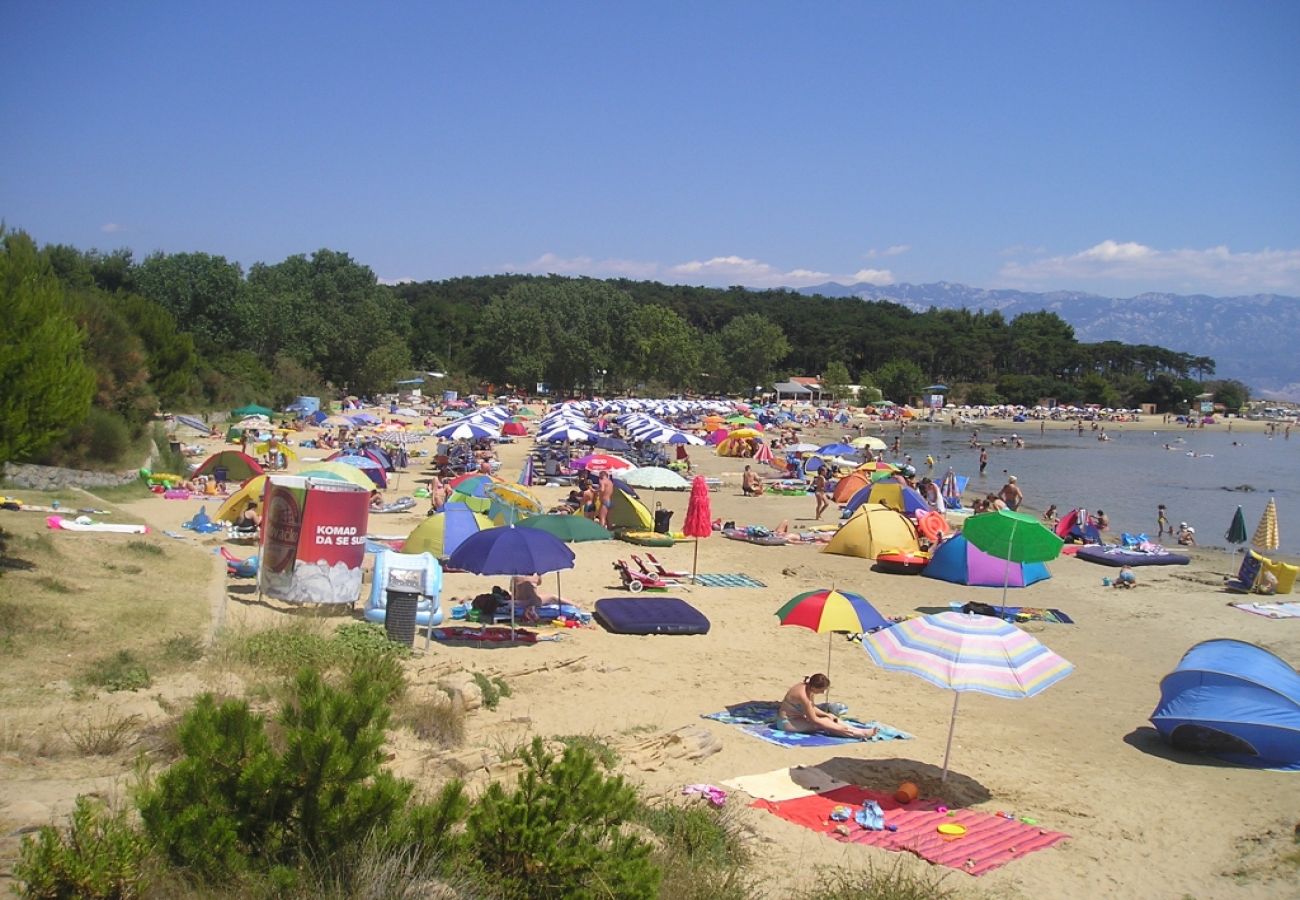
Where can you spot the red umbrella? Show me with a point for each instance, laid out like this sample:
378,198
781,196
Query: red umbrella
699,519
602,462
515,429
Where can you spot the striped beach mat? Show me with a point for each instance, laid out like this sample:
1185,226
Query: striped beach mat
990,841
724,579
1271,610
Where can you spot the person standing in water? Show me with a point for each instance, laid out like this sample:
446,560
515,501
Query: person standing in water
1162,521
984,459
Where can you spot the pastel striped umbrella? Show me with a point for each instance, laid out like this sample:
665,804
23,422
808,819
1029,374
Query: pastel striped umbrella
1266,534
964,652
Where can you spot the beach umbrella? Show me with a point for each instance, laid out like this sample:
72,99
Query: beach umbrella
373,470
867,442
827,610
1014,537
465,431
567,434
605,442
1236,534
656,478
444,531
962,652
602,462
570,529
699,519
510,502
513,551
334,471
1266,536
236,503
836,449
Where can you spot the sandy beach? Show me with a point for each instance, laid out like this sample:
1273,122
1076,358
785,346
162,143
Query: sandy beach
1081,758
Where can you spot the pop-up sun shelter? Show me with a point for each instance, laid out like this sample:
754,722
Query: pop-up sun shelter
960,562
872,530
896,496
1234,700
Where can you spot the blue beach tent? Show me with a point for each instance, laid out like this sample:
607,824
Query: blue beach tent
1235,701
961,562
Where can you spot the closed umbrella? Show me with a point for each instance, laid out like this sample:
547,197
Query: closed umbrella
1236,535
827,610
1266,536
964,652
699,519
1014,537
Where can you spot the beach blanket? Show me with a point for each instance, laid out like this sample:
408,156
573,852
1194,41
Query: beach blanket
721,579
1271,610
757,718
989,842
1034,614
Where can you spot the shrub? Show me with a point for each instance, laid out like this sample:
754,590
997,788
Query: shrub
700,852
559,834
182,648
237,802
596,746
105,436
119,672
492,689
104,737
440,720
99,856
900,881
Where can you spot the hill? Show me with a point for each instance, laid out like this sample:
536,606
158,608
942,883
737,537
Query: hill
1250,337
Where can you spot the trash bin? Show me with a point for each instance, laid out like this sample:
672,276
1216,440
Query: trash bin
662,519
399,616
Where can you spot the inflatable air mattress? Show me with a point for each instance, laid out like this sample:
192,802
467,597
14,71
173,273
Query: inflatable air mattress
646,538
650,615
1117,556
58,522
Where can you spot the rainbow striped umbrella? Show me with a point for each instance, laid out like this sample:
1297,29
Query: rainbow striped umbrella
964,652
827,610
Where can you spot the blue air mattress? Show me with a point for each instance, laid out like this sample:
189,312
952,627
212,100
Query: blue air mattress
650,615
1117,556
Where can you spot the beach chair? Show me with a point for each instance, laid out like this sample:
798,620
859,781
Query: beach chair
656,572
661,570
636,582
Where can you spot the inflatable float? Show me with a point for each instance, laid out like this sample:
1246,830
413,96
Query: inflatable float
646,538
397,506
753,535
83,523
932,526
902,562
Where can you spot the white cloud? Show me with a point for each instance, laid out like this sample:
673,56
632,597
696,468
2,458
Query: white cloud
720,271
878,277
405,279
1213,268
110,227
893,250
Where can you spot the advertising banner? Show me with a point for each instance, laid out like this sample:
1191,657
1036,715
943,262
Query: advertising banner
936,401
313,540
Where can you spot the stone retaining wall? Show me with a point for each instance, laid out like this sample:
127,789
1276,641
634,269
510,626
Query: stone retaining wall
51,478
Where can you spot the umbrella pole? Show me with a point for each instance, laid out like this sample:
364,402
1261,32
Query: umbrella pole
1006,573
695,563
952,725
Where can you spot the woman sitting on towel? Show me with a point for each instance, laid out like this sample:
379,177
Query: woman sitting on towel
800,714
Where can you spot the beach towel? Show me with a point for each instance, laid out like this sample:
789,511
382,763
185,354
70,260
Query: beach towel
1271,610
738,579
990,841
757,718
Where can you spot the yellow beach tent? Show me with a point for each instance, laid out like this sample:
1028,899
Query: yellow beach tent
871,530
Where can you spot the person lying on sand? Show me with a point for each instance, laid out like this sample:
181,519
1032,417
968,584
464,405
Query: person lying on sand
798,713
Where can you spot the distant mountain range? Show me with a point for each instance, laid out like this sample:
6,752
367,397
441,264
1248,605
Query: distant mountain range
1252,338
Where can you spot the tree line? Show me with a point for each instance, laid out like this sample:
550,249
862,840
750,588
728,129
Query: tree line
121,339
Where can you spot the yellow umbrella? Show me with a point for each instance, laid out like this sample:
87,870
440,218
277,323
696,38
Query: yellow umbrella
744,433
1266,536
340,472
265,447
871,443
510,502
237,502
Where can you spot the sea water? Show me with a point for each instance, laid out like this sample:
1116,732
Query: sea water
1201,479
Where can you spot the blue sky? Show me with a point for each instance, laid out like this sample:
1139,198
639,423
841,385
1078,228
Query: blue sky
1116,147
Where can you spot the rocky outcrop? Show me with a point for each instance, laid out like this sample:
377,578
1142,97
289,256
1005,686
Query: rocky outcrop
52,478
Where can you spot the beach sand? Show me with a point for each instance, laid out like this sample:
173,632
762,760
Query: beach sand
1080,758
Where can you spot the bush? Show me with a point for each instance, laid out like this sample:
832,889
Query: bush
105,736
105,437
900,881
99,856
492,689
119,672
559,833
238,803
700,852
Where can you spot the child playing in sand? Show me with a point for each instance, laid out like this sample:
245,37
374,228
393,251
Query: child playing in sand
1126,579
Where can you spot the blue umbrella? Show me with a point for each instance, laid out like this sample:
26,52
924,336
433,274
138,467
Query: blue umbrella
612,443
367,465
837,450
510,550
465,431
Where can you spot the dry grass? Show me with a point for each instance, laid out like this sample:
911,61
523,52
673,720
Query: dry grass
438,719
63,610
105,735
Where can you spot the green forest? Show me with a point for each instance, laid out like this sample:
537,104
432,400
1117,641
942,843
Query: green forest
96,343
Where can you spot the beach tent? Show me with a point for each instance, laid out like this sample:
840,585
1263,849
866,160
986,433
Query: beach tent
251,409
849,485
872,530
235,466
1074,524
626,511
1235,701
961,562
896,496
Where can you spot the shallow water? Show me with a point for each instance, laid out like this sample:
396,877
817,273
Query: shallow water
1131,473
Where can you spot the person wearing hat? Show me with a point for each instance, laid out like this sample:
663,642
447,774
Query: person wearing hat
1011,494
1186,535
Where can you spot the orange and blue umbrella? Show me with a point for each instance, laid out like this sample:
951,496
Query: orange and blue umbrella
964,652
827,610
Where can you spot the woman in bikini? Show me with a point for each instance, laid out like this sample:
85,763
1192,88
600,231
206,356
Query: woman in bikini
798,712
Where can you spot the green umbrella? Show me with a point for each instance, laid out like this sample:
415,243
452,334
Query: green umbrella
570,529
1012,536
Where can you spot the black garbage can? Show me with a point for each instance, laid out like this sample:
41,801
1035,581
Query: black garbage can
663,518
399,616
